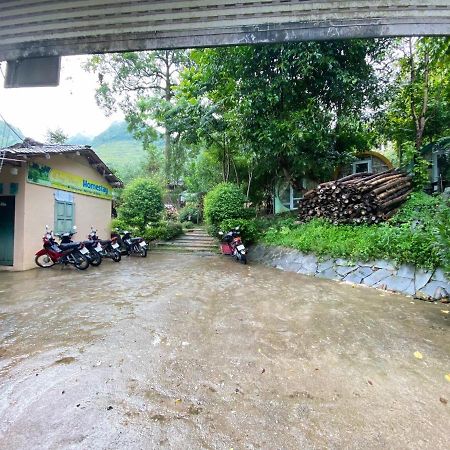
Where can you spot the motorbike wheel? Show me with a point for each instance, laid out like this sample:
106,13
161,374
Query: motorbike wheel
81,262
95,259
243,259
143,252
116,256
44,261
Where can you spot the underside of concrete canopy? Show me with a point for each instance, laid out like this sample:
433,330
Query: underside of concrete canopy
64,27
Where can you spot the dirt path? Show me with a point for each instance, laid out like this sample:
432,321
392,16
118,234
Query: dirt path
189,352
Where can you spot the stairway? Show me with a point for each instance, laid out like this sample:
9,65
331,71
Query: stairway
195,240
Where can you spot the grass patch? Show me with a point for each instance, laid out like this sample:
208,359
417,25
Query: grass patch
413,236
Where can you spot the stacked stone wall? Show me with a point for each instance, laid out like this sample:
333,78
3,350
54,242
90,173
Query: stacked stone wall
429,285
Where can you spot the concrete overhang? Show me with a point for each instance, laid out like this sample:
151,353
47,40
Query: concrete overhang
30,28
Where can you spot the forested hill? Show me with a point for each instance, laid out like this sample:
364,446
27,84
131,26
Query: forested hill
116,145
7,137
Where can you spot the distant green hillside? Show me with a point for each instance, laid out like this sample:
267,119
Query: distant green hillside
116,132
79,139
121,153
116,146
7,137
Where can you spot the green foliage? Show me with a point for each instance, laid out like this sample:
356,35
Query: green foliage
420,166
400,244
225,201
141,84
443,234
416,235
141,203
56,136
298,108
190,213
163,230
418,110
419,211
250,229
120,224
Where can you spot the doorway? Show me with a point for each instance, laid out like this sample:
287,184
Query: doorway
7,211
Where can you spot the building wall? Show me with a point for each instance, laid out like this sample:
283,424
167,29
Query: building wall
35,208
379,164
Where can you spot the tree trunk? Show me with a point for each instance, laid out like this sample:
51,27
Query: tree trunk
168,98
419,118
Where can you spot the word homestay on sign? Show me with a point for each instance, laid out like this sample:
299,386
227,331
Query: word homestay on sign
65,181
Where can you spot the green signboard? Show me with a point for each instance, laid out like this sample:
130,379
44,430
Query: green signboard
58,179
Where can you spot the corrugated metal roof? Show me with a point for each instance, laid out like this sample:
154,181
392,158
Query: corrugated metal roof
30,147
52,27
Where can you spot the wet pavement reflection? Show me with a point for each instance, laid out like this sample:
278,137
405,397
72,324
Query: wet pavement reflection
189,352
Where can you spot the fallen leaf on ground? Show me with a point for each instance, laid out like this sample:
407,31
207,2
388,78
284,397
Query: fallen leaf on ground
178,400
447,377
418,355
445,311
443,400
370,382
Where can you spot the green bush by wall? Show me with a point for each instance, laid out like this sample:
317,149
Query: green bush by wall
225,201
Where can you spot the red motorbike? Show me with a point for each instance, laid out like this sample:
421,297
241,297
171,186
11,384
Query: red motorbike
52,253
232,245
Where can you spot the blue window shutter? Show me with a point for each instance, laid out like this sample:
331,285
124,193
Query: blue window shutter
64,216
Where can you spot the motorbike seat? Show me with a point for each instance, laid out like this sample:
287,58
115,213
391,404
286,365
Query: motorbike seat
136,239
69,246
88,243
105,241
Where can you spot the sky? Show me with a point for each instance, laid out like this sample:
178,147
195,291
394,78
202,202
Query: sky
71,106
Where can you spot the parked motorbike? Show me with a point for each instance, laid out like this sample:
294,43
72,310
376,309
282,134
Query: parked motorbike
108,248
131,245
232,245
93,251
71,253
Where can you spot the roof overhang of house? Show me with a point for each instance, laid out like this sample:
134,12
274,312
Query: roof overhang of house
29,148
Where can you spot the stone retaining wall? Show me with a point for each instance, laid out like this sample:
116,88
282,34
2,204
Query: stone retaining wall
406,279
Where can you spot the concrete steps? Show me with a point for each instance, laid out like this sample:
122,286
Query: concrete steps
195,240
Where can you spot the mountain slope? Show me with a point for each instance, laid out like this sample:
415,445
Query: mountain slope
7,137
116,146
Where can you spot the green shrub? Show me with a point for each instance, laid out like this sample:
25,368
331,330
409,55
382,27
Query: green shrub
163,231
119,224
250,229
190,213
225,201
419,210
141,203
443,234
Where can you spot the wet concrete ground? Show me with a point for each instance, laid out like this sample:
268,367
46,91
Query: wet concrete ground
188,352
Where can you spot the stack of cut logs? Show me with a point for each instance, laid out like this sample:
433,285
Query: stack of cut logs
358,198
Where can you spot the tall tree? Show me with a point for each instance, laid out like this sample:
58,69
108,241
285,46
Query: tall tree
138,83
419,109
292,109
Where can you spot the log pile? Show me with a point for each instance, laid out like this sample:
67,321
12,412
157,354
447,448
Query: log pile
361,198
